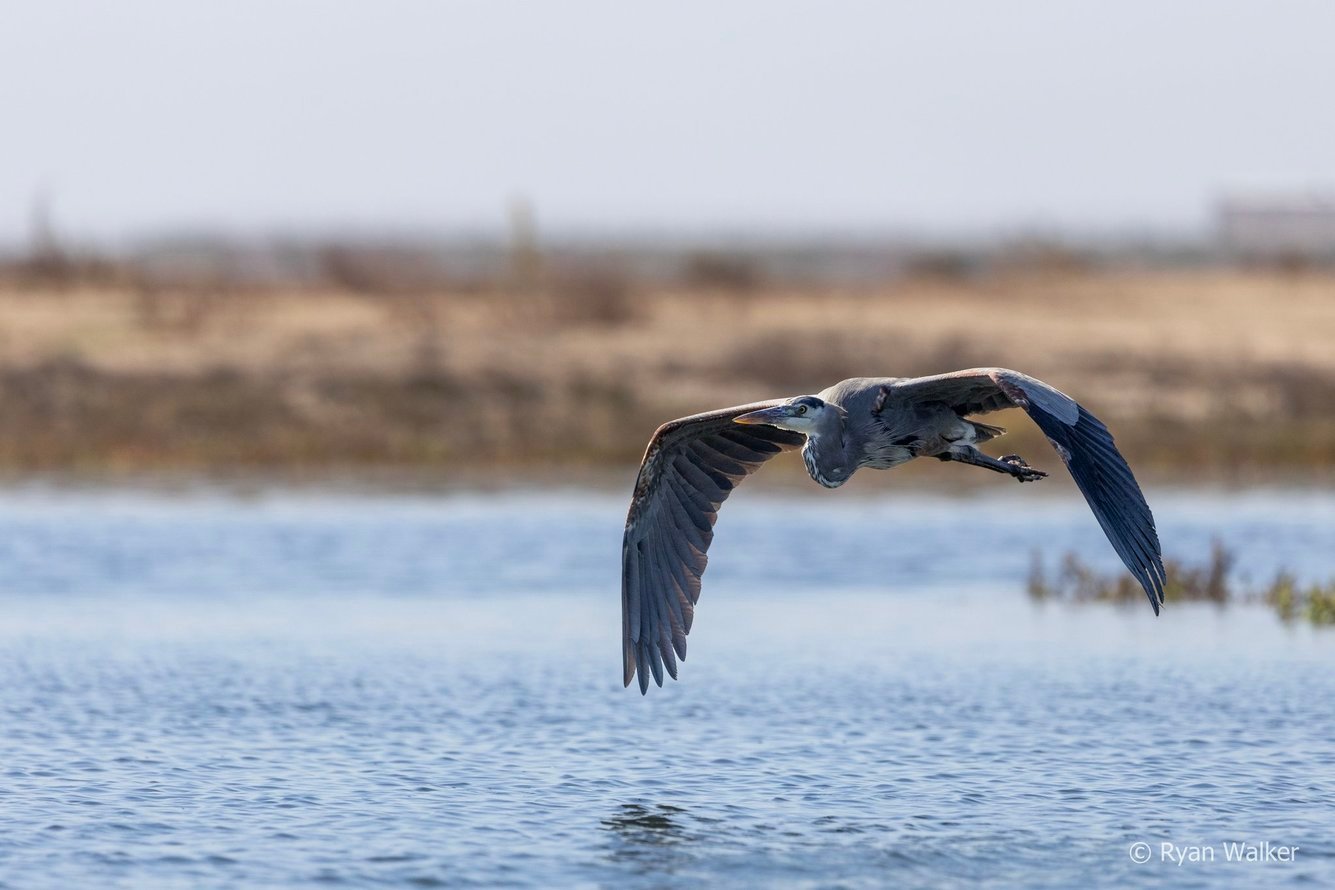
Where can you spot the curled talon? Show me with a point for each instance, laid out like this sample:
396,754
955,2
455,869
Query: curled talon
1029,474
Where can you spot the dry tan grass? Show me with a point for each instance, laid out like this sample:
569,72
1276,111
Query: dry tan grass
335,375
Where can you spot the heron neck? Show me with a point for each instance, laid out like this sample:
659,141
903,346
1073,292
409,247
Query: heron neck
824,456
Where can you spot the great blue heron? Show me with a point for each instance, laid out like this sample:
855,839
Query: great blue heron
693,463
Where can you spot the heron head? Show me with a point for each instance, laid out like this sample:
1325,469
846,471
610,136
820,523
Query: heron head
802,414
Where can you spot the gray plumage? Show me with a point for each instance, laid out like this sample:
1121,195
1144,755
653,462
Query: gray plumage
693,464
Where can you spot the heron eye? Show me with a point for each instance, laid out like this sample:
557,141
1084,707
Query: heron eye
801,409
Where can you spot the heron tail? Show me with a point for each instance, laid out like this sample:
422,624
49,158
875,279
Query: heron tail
986,431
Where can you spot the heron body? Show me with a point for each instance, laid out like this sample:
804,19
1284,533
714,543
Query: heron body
692,464
879,429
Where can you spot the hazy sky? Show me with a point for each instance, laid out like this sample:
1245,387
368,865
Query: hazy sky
143,116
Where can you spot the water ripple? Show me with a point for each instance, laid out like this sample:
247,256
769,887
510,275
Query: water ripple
820,734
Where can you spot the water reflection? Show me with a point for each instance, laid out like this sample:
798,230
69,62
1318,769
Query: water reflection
653,838
211,547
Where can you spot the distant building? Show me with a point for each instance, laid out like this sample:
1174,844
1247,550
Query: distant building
1278,228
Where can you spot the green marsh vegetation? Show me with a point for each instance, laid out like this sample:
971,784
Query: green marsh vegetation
1214,581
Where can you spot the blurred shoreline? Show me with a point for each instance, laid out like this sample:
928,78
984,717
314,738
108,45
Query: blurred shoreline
780,484
385,363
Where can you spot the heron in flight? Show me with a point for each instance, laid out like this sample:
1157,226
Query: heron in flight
692,464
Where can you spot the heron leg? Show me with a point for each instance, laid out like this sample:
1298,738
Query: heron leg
1011,464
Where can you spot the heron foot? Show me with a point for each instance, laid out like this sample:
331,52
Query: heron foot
1021,470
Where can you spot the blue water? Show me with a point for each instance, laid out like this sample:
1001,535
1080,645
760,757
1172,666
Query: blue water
293,689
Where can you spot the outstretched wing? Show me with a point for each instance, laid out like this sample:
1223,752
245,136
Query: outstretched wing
1083,442
688,470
